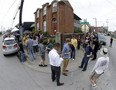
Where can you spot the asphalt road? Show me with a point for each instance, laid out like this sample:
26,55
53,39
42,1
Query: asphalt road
16,76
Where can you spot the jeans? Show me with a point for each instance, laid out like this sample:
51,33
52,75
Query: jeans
73,54
31,54
22,56
84,63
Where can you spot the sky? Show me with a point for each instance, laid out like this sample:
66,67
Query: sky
103,10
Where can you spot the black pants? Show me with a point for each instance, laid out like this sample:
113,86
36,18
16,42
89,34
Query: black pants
56,73
94,54
79,43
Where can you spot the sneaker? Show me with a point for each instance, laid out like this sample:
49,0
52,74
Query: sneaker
60,84
40,65
83,70
66,70
93,85
80,67
73,59
44,65
64,74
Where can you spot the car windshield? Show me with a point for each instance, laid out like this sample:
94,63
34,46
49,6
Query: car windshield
8,42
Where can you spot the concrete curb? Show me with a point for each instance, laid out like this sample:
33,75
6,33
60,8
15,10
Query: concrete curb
73,64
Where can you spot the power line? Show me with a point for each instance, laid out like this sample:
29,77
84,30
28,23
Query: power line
8,10
111,3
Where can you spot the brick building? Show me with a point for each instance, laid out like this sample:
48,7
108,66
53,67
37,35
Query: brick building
55,17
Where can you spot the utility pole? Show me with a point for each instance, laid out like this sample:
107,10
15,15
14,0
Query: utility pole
20,19
95,23
107,24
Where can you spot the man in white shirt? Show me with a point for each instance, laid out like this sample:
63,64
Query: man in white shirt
100,66
55,62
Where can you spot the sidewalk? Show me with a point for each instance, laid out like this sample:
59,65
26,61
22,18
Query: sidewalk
73,64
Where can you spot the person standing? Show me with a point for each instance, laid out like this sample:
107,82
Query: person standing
55,61
100,67
42,50
74,42
22,53
79,42
95,45
72,50
87,55
66,56
49,45
111,41
35,45
30,48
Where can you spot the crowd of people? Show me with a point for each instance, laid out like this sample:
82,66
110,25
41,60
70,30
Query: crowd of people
35,45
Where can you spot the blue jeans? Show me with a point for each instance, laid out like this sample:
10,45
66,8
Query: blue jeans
73,54
22,56
84,63
31,53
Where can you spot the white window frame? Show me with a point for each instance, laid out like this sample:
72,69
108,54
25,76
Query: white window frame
38,26
44,10
54,7
37,13
44,26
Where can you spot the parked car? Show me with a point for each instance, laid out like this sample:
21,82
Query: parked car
9,46
101,39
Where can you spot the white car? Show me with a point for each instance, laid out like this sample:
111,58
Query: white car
10,46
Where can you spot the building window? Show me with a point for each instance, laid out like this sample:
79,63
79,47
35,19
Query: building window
54,7
54,25
44,26
37,13
38,26
44,10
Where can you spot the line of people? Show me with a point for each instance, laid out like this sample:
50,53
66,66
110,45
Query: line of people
56,58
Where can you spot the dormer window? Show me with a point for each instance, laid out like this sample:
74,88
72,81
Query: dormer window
54,7
44,10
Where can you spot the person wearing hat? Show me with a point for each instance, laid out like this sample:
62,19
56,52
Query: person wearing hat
100,66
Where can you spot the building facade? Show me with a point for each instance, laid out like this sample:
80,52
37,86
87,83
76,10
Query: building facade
55,17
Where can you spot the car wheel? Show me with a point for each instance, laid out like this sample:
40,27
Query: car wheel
4,54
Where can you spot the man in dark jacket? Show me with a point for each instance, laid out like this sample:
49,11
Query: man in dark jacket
95,48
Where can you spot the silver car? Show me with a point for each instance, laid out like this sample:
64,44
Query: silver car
10,46
101,39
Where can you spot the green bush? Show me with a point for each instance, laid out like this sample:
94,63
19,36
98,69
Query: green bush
78,31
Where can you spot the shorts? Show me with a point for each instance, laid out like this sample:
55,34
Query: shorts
43,57
95,75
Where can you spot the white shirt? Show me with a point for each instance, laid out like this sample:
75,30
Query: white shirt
54,58
101,65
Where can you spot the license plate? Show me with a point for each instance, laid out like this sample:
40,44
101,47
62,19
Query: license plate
10,47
